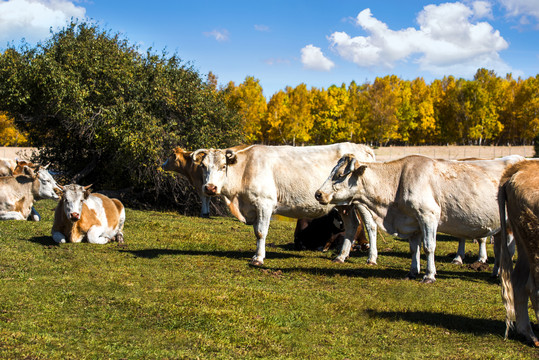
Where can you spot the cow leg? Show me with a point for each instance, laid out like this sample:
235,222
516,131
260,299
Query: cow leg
261,227
429,245
205,211
34,215
520,279
459,257
415,250
94,235
483,257
12,215
58,237
351,222
370,226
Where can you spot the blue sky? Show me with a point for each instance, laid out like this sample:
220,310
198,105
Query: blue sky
319,43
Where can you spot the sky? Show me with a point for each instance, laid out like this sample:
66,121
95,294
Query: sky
319,43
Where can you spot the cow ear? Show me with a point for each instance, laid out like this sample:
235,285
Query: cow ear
360,170
231,157
87,191
199,155
27,170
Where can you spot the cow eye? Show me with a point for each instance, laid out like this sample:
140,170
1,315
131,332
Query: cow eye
223,167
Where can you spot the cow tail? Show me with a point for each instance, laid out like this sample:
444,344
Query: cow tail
506,264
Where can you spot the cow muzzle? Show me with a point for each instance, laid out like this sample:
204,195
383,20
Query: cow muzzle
74,216
322,197
210,190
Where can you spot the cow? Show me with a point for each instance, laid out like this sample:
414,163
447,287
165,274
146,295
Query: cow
81,214
180,161
416,196
9,167
519,207
324,232
18,193
262,180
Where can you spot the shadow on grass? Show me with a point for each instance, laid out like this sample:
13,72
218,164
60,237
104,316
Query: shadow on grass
154,253
43,240
459,323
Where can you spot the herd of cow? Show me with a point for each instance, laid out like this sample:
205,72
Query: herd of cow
413,198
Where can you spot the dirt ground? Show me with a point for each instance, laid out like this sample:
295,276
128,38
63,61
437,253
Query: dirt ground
382,153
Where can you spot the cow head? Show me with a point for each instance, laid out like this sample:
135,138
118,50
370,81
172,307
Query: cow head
72,200
177,161
214,164
340,187
47,184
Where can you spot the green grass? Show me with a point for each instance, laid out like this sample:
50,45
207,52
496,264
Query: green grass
182,288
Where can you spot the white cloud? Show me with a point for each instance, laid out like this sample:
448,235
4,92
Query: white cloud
523,9
447,41
482,9
32,19
313,58
262,28
219,35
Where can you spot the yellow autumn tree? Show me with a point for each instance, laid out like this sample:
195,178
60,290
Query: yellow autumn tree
9,134
248,99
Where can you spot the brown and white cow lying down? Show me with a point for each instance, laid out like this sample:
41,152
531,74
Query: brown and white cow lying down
264,180
519,194
180,161
416,196
83,215
18,193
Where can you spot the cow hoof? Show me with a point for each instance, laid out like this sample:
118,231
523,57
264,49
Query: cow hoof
370,262
456,262
338,261
205,216
535,343
410,276
256,263
428,281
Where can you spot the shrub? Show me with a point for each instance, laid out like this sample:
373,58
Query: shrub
106,114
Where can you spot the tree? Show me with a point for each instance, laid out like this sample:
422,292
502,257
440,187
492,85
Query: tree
328,109
248,100
9,134
300,120
107,114
383,98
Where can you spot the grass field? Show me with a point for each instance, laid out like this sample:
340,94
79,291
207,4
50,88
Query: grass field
182,289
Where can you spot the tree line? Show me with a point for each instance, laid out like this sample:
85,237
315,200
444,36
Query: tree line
486,110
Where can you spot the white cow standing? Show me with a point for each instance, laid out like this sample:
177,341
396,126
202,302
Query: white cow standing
18,193
416,196
81,214
264,180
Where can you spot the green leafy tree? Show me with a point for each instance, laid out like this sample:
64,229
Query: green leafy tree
107,114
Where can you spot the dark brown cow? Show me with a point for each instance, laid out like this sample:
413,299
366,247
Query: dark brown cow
324,232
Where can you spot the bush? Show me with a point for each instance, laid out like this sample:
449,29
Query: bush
108,115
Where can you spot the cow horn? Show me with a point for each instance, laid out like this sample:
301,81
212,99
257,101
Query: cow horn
231,157
199,155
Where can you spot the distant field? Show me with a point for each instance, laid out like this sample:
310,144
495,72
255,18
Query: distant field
16,152
452,152
382,153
